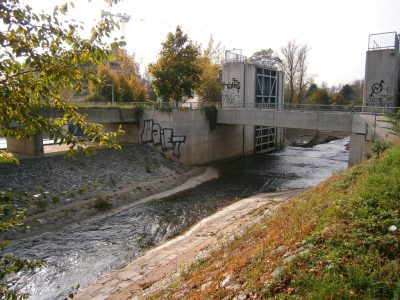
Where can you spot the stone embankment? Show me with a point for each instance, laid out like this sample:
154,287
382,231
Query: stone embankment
309,138
121,178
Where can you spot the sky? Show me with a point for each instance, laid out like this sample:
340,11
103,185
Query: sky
335,31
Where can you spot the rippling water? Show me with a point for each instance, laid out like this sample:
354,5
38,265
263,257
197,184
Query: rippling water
83,253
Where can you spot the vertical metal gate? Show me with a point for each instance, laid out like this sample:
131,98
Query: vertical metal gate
266,97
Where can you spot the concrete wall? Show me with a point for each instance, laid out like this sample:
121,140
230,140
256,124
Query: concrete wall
33,146
184,136
381,78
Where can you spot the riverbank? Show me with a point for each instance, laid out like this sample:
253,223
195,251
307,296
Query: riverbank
83,252
336,240
161,265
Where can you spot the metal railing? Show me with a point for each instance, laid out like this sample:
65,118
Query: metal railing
386,40
151,105
311,107
248,106
234,57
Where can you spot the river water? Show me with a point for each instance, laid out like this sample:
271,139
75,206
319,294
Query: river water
81,254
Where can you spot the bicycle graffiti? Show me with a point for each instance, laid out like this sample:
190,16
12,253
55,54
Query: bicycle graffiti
379,99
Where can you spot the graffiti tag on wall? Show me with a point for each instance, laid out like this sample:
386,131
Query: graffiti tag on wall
231,94
164,137
380,96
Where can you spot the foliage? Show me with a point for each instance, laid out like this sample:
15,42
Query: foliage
320,96
164,107
176,73
347,92
138,112
339,240
338,99
211,112
95,97
378,147
295,66
210,89
266,57
129,65
102,204
125,87
41,58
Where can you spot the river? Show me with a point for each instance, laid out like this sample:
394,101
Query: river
81,254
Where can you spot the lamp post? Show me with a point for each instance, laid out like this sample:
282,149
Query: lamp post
112,93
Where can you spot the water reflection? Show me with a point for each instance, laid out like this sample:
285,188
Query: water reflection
83,253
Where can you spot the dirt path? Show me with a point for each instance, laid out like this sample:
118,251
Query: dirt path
129,281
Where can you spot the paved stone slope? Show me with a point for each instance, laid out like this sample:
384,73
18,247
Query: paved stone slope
106,171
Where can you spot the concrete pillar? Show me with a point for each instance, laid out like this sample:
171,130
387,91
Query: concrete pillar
33,147
357,148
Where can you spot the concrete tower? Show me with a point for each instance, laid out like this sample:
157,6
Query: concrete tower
381,87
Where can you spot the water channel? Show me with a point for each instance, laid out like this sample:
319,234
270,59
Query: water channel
83,253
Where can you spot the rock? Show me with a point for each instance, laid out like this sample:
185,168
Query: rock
278,271
225,281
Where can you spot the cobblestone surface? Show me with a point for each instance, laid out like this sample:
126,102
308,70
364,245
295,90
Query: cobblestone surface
106,171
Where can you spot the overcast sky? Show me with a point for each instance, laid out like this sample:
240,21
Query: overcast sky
336,31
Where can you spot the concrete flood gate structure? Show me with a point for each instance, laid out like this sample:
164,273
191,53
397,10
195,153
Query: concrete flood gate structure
253,113
254,85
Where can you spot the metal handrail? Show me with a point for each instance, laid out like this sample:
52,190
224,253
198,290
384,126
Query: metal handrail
326,108
386,40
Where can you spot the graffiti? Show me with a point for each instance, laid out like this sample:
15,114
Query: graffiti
164,137
376,88
234,85
231,94
379,99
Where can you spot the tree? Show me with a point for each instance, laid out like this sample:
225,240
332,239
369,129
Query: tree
338,99
347,92
130,66
311,90
320,96
40,58
176,73
266,57
210,89
125,87
295,66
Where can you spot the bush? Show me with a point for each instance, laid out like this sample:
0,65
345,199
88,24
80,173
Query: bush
102,204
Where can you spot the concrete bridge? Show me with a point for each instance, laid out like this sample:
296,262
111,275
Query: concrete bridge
184,134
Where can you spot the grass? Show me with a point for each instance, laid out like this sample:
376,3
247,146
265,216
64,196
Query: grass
340,231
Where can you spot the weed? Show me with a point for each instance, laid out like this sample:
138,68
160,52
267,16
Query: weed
211,112
102,204
148,167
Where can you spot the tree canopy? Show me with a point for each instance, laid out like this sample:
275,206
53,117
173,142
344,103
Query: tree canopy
176,73
40,58
295,66
210,89
265,56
